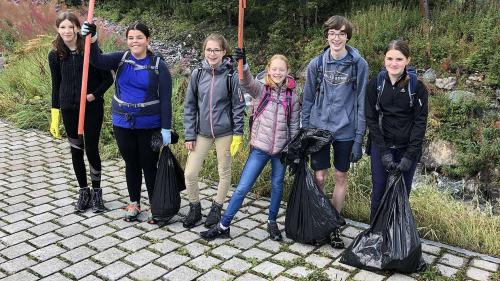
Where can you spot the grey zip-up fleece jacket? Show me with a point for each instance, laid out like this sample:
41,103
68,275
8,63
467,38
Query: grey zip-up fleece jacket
337,107
217,114
270,132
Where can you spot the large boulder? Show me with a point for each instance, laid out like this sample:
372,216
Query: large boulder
439,153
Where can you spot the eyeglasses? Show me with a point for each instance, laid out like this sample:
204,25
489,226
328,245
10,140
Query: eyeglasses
341,35
213,51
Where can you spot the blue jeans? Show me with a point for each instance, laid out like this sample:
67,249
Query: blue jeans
379,176
256,162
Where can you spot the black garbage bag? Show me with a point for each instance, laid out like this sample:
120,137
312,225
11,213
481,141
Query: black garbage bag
392,241
310,217
307,141
166,199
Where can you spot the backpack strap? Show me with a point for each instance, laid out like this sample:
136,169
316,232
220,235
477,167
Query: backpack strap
320,73
380,88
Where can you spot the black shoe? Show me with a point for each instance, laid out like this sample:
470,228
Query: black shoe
97,203
335,240
215,232
193,216
274,231
214,215
83,200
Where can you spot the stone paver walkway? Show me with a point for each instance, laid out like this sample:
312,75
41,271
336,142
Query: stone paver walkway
42,239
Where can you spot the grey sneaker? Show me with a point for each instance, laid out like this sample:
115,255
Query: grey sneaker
132,211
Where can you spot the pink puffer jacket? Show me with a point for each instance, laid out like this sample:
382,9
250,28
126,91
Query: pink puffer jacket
270,132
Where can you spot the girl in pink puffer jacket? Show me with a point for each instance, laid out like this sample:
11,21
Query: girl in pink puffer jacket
275,121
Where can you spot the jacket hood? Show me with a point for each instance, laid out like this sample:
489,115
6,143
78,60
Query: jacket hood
227,63
290,81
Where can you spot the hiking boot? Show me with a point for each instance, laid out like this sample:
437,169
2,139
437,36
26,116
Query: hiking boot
193,216
83,200
132,211
214,215
215,232
97,203
335,240
274,231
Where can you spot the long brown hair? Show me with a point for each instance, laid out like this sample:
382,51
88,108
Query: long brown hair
58,44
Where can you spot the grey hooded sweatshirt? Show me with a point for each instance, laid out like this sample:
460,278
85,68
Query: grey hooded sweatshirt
339,104
213,113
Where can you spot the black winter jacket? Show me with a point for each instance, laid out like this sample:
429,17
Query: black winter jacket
403,126
67,80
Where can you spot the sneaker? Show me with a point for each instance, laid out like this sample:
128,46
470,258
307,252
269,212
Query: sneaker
215,232
193,216
335,240
274,231
97,203
83,200
214,215
132,211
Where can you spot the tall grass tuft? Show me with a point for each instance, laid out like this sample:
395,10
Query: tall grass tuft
444,219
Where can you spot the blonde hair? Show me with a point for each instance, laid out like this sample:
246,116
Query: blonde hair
268,80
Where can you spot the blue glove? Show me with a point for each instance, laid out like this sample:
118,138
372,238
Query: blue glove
356,152
166,135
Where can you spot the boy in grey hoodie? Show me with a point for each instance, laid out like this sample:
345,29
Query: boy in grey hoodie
333,100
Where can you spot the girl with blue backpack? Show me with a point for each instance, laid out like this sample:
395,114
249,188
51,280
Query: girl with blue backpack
396,115
141,107
275,121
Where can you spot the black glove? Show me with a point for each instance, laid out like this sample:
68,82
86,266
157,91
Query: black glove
404,165
239,54
388,161
88,28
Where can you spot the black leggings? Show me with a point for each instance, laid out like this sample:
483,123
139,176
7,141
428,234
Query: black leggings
90,143
135,148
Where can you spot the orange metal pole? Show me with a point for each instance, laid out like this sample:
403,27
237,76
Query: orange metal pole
85,76
241,18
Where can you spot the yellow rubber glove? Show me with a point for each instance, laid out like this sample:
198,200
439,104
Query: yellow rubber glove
236,144
55,116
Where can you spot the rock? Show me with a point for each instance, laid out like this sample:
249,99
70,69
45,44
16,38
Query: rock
439,153
493,194
429,76
2,62
459,95
497,94
446,83
471,185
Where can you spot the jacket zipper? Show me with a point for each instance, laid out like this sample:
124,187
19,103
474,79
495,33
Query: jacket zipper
275,122
211,97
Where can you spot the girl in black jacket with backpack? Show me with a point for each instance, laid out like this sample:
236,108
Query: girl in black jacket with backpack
396,115
66,67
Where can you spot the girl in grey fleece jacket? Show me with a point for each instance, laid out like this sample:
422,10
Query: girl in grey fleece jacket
213,114
276,122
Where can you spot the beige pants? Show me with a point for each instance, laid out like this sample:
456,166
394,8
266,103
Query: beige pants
195,161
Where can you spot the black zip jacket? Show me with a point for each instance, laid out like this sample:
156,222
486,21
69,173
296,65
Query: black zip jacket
67,80
403,126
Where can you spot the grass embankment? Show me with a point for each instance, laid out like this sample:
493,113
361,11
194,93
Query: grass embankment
25,92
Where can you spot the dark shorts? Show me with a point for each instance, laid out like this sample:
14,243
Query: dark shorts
341,157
